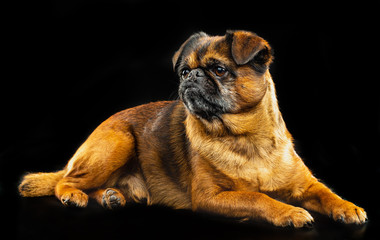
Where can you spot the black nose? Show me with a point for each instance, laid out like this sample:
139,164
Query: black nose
195,75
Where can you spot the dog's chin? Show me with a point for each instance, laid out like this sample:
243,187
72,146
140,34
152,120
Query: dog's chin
197,103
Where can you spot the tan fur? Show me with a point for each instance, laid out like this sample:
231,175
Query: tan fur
235,165
40,184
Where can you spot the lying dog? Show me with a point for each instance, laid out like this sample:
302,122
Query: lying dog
222,148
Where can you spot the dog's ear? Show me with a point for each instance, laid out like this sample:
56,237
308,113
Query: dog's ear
186,48
248,47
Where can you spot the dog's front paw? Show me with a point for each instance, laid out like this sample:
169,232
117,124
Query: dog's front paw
347,212
294,216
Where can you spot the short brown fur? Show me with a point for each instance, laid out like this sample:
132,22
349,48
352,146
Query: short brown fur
230,165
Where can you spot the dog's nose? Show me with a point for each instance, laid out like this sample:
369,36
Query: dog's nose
195,74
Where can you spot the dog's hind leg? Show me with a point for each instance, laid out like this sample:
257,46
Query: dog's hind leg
106,150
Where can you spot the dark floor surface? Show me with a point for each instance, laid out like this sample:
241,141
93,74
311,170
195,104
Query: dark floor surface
46,218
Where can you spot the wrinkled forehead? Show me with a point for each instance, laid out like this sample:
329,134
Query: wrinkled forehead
207,50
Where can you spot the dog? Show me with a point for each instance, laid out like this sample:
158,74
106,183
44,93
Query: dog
221,148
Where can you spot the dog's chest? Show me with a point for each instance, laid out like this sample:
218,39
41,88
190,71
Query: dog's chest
262,166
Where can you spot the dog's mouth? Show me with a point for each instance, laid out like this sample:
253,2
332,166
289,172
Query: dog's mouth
199,102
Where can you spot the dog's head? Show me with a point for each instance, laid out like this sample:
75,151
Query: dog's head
222,74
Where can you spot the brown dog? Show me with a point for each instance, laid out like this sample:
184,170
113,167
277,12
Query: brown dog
223,148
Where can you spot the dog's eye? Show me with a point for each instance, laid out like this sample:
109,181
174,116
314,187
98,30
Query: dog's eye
219,71
185,72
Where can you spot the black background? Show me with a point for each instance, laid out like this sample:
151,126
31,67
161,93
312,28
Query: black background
72,64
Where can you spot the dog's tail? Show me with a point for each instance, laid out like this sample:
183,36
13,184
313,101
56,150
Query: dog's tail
40,184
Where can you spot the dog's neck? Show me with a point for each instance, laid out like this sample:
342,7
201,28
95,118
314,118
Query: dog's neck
264,120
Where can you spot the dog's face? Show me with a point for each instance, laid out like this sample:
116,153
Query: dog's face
222,74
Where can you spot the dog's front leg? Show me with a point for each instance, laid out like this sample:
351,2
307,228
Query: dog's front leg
252,205
321,199
214,192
